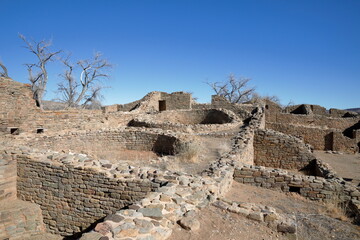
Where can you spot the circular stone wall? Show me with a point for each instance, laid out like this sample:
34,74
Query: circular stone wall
111,144
199,120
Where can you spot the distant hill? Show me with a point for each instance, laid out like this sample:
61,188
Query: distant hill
354,109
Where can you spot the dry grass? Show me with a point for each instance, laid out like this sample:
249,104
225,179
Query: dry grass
189,152
336,208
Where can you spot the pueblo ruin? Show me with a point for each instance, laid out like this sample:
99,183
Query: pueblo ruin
137,170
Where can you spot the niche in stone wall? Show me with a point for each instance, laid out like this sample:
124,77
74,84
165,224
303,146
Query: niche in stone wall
350,132
39,130
162,105
14,131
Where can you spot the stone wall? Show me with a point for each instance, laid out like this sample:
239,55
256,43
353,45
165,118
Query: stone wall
208,116
342,143
20,219
242,110
198,121
314,188
72,192
150,103
315,128
318,138
337,113
19,113
313,120
7,176
109,144
306,109
177,100
278,150
16,104
243,143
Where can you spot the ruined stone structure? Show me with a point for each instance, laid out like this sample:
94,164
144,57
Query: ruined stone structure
65,166
316,127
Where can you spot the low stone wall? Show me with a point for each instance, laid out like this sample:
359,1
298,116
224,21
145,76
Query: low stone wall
341,113
20,219
7,175
314,188
313,120
243,143
264,214
178,201
241,110
318,138
192,117
150,103
278,150
342,143
75,191
189,120
110,144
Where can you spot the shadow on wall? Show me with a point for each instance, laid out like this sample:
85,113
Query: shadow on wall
349,132
216,117
164,145
328,139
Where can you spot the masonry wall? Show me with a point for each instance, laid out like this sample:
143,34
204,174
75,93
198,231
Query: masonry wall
108,144
243,143
16,104
344,144
314,188
209,116
319,138
72,198
177,100
7,176
20,219
204,120
340,113
313,120
278,150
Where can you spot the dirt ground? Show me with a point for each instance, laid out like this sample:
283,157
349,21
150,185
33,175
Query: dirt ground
312,221
346,165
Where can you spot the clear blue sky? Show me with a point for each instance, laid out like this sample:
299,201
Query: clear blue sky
304,51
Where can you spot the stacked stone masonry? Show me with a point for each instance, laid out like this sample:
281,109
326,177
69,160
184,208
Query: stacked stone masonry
118,201
74,197
278,150
7,176
312,187
111,143
192,121
19,219
322,131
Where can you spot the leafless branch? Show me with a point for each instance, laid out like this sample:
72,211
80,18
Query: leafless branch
235,90
40,78
5,72
87,90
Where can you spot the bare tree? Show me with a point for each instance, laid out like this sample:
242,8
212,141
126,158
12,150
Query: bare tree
272,98
39,78
235,90
68,88
88,89
5,72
